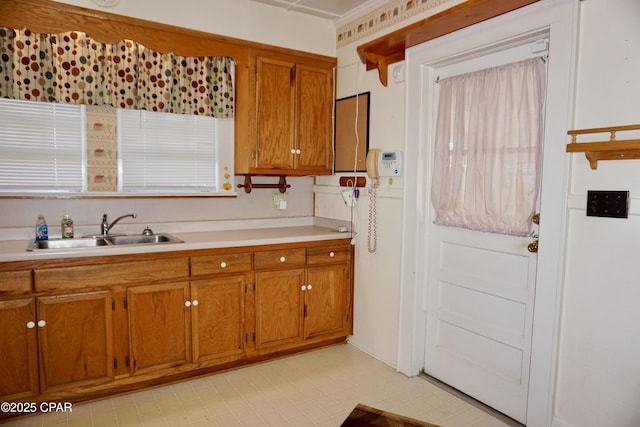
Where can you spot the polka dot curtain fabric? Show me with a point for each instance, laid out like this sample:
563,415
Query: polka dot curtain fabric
73,68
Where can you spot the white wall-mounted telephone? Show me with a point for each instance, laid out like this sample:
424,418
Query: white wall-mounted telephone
379,163
383,163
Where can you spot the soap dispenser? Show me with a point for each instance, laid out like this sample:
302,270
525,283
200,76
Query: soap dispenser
67,226
42,232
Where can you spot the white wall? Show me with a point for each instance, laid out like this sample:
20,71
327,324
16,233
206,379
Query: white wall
240,19
377,275
598,363
598,381
235,18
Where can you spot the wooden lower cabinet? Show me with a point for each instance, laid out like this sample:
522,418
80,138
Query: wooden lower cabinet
299,305
328,301
279,301
127,323
67,344
186,322
159,326
75,339
217,318
19,349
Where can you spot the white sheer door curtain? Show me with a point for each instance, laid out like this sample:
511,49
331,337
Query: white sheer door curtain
488,148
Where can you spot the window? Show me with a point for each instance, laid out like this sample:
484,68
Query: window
43,146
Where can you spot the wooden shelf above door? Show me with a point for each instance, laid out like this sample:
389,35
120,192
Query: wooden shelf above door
613,149
389,49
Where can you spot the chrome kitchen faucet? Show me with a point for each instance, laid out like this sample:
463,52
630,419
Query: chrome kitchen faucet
105,227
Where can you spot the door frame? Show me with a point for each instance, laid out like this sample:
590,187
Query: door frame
559,19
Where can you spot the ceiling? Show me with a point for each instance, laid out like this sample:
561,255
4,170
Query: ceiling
327,9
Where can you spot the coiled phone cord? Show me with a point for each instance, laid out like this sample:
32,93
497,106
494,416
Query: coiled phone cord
372,232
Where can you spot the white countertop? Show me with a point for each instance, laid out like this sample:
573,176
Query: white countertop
16,250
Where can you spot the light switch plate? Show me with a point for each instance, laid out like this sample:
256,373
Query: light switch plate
611,204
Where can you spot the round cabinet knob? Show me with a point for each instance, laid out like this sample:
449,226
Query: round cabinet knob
195,303
309,287
31,324
293,151
332,254
42,323
187,303
303,287
298,151
223,264
282,259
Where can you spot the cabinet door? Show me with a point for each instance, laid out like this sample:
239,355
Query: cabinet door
159,326
328,300
314,102
279,307
275,113
18,357
75,339
217,318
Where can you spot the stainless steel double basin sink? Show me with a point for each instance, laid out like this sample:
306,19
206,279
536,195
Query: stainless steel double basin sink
103,241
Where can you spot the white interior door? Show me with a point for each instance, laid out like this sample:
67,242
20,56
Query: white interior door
480,296
479,316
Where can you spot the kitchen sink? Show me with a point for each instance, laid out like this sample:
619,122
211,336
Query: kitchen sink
100,241
139,240
68,243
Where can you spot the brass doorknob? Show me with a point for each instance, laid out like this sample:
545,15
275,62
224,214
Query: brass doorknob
533,247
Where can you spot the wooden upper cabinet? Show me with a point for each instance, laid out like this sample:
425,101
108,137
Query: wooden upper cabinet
275,114
291,124
314,103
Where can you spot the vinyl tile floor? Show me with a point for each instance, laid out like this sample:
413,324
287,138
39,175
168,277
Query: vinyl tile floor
318,388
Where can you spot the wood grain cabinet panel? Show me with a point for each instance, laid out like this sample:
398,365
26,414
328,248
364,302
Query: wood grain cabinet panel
314,103
221,264
217,318
279,258
279,303
15,282
292,125
18,349
159,326
107,275
275,114
75,339
328,254
328,301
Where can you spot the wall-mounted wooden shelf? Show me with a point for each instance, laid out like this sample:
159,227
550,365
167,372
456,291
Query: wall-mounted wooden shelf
613,149
389,49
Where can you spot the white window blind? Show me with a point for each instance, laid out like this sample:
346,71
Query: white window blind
167,152
41,146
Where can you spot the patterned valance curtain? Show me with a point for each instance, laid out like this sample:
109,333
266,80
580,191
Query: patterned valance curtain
74,68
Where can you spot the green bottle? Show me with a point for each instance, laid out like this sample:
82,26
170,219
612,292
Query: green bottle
67,226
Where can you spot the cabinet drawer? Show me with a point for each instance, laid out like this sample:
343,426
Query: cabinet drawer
215,264
106,275
328,254
15,282
279,258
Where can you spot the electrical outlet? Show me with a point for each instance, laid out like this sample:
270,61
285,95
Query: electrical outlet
279,201
612,204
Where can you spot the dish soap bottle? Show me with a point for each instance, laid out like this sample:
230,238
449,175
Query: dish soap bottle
42,232
67,226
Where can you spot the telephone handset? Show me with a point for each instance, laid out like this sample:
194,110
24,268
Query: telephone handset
379,163
383,163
